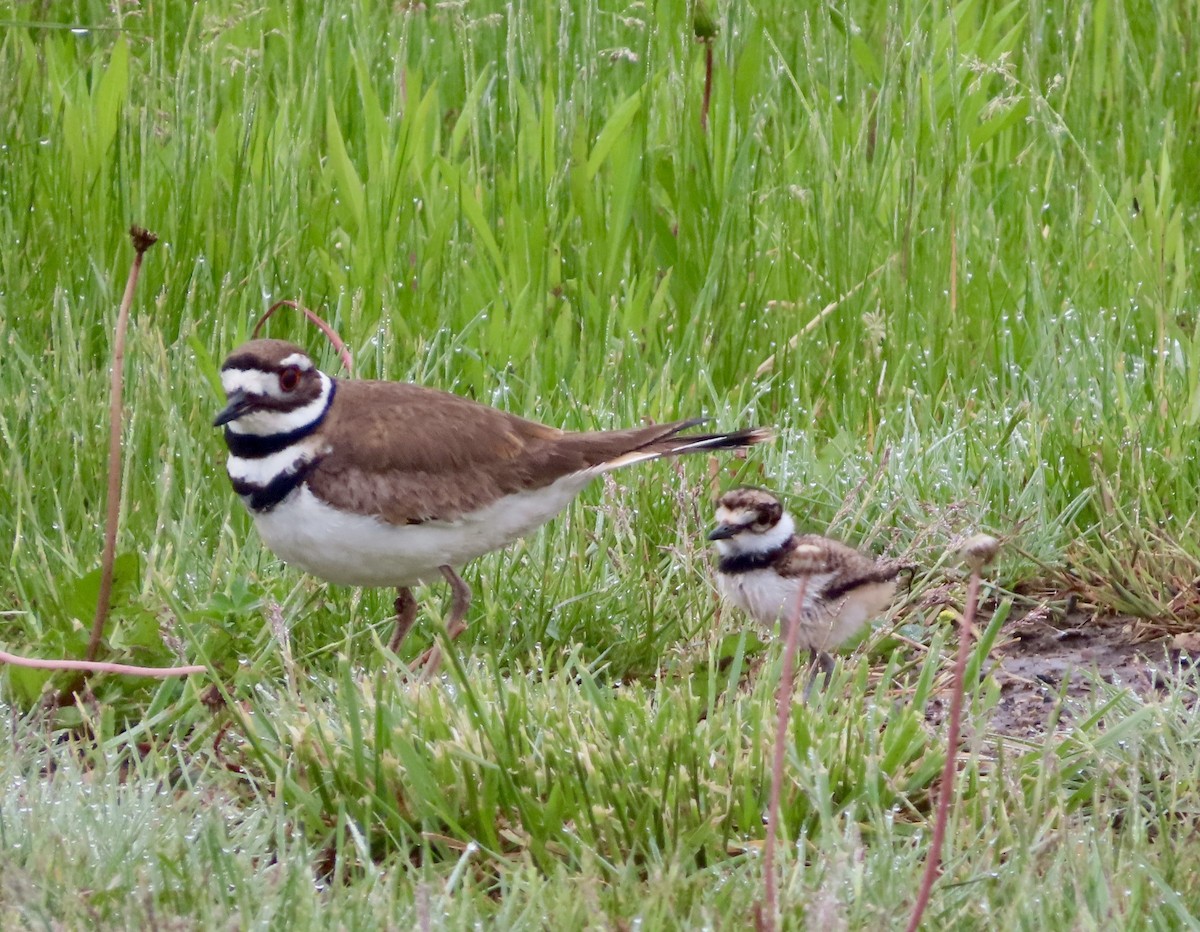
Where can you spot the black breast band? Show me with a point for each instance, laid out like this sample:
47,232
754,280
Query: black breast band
748,562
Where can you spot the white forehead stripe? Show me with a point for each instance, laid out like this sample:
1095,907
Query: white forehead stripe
250,381
299,360
734,515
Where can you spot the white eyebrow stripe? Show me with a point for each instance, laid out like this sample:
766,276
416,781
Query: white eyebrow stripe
250,381
299,360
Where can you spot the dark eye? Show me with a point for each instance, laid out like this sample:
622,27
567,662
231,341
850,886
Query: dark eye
289,378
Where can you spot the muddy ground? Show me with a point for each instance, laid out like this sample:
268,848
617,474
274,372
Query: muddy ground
1037,652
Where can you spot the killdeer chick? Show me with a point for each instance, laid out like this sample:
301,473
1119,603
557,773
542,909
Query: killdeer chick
776,575
372,483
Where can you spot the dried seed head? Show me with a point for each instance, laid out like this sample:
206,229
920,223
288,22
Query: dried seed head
979,550
142,239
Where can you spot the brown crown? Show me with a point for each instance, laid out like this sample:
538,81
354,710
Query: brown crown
759,501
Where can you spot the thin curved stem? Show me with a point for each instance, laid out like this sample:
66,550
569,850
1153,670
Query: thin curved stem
933,861
97,666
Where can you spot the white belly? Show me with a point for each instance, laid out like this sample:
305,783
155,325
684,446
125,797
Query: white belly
824,625
360,550
762,594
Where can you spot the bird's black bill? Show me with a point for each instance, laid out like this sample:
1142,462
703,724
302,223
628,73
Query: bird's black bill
723,532
238,405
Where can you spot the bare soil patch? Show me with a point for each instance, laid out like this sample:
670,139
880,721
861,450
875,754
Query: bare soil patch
1037,653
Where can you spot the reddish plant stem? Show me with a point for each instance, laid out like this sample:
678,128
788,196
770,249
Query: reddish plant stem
783,702
85,666
329,332
142,240
933,860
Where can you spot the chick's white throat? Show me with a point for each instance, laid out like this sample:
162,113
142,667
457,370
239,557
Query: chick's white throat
767,541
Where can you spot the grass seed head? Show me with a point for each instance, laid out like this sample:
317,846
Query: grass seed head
979,550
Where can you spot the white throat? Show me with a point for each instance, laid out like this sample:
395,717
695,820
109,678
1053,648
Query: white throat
749,542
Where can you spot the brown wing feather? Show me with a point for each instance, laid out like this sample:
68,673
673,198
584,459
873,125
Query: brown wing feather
420,454
850,568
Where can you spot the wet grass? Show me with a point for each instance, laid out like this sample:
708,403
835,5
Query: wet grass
947,250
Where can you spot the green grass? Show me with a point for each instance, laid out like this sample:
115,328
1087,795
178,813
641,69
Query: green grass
948,250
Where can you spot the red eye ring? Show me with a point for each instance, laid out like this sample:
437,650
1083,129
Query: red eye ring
289,379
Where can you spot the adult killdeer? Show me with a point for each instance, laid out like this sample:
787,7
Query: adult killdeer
371,483
776,575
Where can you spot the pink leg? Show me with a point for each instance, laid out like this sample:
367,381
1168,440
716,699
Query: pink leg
455,624
406,614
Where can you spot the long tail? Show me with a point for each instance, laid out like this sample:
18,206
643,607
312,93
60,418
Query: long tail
734,440
671,443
